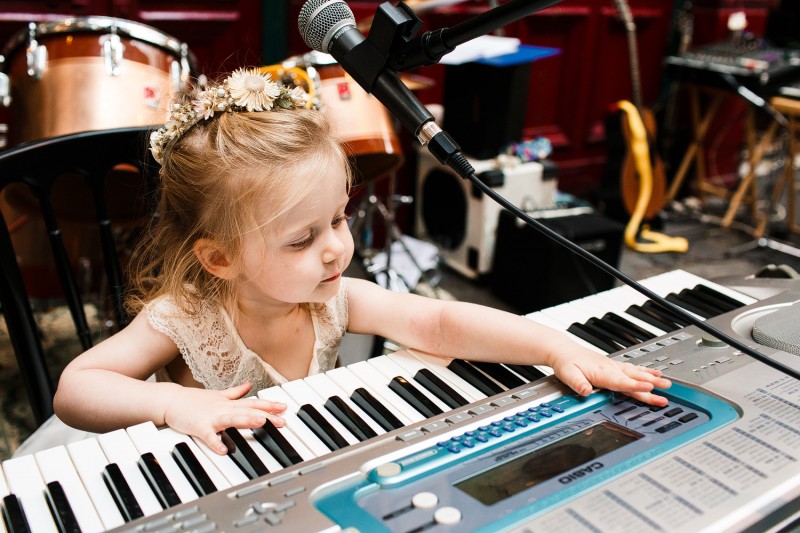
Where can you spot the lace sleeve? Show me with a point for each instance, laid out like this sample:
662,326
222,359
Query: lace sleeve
204,340
331,319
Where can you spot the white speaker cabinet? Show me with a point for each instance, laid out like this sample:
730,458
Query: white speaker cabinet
461,220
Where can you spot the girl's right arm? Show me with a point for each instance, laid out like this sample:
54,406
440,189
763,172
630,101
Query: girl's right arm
105,388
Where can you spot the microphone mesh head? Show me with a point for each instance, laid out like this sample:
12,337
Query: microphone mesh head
318,17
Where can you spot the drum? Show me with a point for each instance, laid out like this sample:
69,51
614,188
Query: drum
361,122
90,73
82,74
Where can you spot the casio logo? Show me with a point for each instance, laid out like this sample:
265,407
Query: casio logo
581,472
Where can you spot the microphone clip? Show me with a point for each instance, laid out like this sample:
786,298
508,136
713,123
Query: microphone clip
391,31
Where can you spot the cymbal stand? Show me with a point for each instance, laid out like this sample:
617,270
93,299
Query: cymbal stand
362,228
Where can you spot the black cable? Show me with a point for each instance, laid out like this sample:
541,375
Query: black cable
460,164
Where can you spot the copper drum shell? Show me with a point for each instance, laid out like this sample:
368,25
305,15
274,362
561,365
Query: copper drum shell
361,122
76,93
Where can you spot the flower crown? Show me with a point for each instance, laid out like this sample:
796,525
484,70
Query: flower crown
244,90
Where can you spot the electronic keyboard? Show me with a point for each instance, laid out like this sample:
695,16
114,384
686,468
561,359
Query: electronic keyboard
412,442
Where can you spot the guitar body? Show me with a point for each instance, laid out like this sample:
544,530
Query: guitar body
630,176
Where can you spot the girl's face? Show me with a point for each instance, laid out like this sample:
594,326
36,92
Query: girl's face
303,258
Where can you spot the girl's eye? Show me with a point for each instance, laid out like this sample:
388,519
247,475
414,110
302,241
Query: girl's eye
302,244
341,218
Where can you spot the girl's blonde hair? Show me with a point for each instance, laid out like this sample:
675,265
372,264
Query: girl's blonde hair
214,182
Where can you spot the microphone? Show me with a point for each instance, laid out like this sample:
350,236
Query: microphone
329,26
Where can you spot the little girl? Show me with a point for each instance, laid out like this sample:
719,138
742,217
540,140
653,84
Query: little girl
239,285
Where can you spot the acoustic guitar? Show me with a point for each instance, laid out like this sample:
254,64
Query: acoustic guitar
630,177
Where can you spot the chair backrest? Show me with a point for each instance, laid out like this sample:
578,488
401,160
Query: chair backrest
35,172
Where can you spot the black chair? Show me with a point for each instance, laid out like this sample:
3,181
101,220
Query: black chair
35,171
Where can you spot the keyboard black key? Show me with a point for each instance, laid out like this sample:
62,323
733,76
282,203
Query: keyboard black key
270,438
500,373
375,409
666,314
158,481
687,304
474,377
439,388
713,293
349,418
14,515
191,468
719,305
63,516
400,386
704,301
531,373
593,337
645,315
321,427
242,454
121,493
637,331
617,334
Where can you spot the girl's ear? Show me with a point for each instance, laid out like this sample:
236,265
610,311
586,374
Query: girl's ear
213,259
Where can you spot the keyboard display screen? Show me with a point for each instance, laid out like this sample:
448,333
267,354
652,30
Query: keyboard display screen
557,459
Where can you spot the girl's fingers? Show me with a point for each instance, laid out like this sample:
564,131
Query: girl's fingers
213,440
647,374
267,405
573,377
649,398
236,392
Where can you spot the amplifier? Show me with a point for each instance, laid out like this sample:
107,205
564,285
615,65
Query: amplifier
456,216
530,271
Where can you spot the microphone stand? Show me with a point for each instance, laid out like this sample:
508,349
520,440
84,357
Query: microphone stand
431,46
394,26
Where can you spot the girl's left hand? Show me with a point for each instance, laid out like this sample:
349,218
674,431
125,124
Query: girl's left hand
582,370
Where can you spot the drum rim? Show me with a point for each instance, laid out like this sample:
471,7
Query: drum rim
128,28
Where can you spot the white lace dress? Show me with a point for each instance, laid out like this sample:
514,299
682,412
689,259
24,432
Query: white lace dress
216,356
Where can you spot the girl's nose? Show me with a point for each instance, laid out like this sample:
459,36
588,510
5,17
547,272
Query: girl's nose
334,246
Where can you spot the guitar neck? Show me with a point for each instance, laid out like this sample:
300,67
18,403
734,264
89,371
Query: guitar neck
630,31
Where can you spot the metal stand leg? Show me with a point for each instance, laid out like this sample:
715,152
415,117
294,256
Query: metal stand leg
362,228
761,232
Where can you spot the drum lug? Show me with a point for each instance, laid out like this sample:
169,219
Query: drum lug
5,85
179,72
35,54
112,52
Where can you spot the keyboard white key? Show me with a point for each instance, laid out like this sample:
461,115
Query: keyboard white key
119,449
390,369
551,322
89,461
414,361
294,424
302,394
269,461
367,373
326,387
55,465
146,438
3,493
25,481
349,382
224,464
171,437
